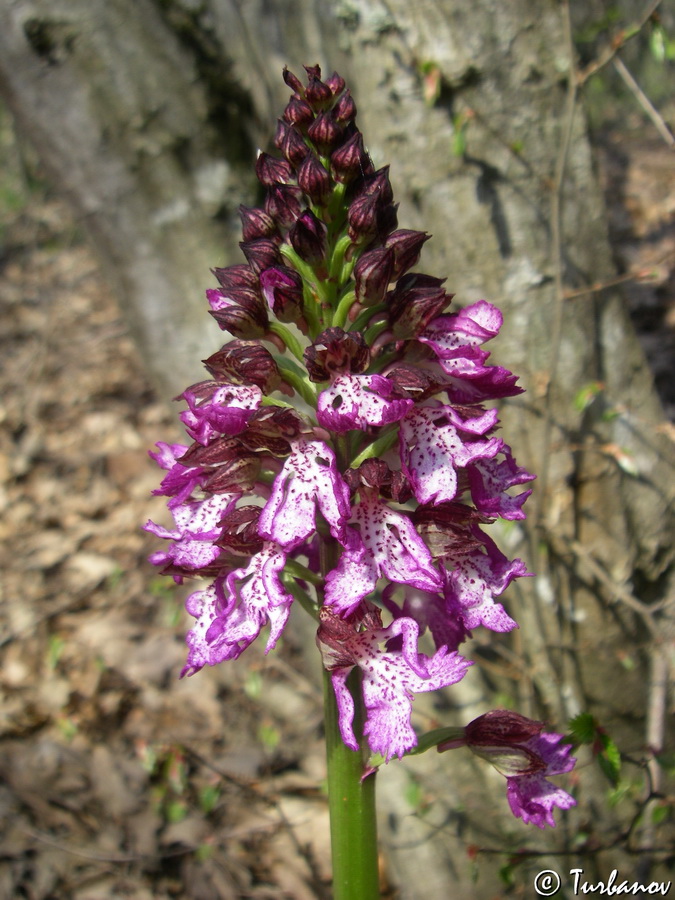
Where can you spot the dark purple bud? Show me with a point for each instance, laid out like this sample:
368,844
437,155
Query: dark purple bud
378,184
292,81
372,275
283,203
271,429
236,277
413,381
271,170
241,311
240,531
299,113
336,83
256,223
501,727
308,237
289,140
282,289
406,245
318,94
345,109
334,352
325,132
350,160
447,528
362,217
261,254
313,72
245,362
237,474
314,179
414,302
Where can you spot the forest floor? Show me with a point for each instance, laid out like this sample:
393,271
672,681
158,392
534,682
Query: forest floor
117,779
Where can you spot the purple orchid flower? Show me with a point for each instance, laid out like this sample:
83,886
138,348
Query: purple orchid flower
526,755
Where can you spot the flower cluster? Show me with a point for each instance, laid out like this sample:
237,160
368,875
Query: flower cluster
520,750
341,454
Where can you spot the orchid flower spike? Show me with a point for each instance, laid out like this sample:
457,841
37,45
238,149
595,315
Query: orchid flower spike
341,454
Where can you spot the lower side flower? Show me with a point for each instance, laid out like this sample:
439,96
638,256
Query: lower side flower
391,675
520,750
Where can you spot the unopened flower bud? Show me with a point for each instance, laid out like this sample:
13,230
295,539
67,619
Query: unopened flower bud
283,203
282,289
345,109
308,238
414,302
378,184
372,275
318,94
289,140
299,113
271,170
293,81
406,245
256,223
350,159
314,179
240,311
236,277
336,83
362,217
261,254
324,132
335,351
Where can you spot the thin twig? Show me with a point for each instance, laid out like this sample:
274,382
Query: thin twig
610,52
646,104
556,240
643,273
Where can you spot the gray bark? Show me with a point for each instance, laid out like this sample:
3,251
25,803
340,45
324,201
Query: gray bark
148,115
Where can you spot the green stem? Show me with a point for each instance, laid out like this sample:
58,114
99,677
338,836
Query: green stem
353,825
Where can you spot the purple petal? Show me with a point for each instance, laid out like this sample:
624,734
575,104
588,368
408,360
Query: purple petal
490,479
345,705
387,546
532,798
356,401
309,477
230,620
180,481
474,325
195,532
477,578
432,449
226,409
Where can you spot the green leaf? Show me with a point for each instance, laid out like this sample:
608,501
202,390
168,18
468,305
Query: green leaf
208,797
175,811
661,812
583,729
609,758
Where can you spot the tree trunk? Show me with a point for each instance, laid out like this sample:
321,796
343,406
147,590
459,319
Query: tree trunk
148,115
